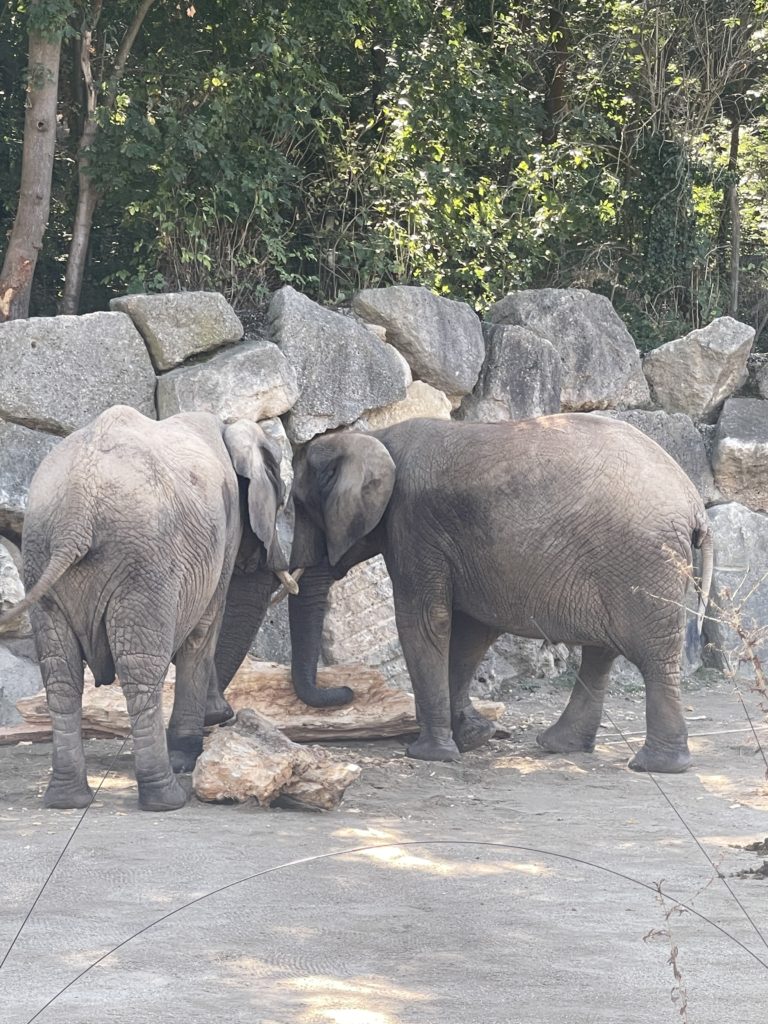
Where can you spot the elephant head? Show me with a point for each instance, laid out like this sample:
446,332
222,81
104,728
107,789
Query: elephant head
256,460
342,486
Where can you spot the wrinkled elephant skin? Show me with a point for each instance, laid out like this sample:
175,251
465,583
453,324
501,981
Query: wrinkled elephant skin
573,528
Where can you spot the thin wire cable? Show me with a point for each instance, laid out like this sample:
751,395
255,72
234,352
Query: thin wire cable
658,786
655,889
79,822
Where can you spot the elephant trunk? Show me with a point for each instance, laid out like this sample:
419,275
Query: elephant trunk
307,615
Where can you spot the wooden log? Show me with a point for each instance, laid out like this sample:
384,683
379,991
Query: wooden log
378,710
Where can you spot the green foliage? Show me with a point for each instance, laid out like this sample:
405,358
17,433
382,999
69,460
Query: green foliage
471,146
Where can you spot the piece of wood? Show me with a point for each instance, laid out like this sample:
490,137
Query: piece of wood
378,710
25,732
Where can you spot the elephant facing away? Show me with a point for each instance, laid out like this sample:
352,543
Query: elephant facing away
572,528
134,533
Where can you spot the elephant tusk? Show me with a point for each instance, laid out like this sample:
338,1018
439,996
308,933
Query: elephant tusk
290,584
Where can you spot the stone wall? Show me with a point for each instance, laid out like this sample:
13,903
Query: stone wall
399,352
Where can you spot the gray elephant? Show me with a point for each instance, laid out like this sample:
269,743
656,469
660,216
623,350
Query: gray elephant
573,528
139,538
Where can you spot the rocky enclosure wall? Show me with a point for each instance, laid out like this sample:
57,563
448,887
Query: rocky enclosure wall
399,352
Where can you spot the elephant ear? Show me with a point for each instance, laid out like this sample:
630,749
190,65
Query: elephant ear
355,477
257,459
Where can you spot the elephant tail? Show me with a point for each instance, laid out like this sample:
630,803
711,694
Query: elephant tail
702,539
60,561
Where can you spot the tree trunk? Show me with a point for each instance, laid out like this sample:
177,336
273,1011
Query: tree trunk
86,194
556,74
732,194
88,197
36,173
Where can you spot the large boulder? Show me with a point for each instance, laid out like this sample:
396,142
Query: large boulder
696,373
421,400
12,590
21,452
739,595
342,369
677,434
252,382
178,325
59,372
251,758
514,659
740,457
19,677
441,339
601,365
521,377
360,622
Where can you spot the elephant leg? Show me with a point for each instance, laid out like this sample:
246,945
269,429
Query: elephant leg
577,727
61,666
194,672
470,640
246,605
666,740
142,657
424,626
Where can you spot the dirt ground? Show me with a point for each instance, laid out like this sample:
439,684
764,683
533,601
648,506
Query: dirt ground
511,888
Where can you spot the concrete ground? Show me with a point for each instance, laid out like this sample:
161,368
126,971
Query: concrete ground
445,930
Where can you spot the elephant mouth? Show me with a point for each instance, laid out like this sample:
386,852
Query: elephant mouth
290,584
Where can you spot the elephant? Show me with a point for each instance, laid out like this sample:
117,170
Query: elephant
575,528
139,538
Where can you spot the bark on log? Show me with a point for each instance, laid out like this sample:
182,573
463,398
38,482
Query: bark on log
378,709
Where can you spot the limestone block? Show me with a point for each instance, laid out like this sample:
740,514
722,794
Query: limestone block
252,758
342,369
11,591
740,457
421,400
696,373
252,381
178,325
601,365
521,377
677,434
19,678
273,641
59,372
21,452
513,659
739,595
360,622
441,339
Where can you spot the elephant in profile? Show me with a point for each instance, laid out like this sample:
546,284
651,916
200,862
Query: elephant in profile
137,535
573,528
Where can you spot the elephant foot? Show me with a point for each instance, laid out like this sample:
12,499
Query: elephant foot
564,739
430,748
326,696
184,752
471,730
64,795
168,795
657,759
217,711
